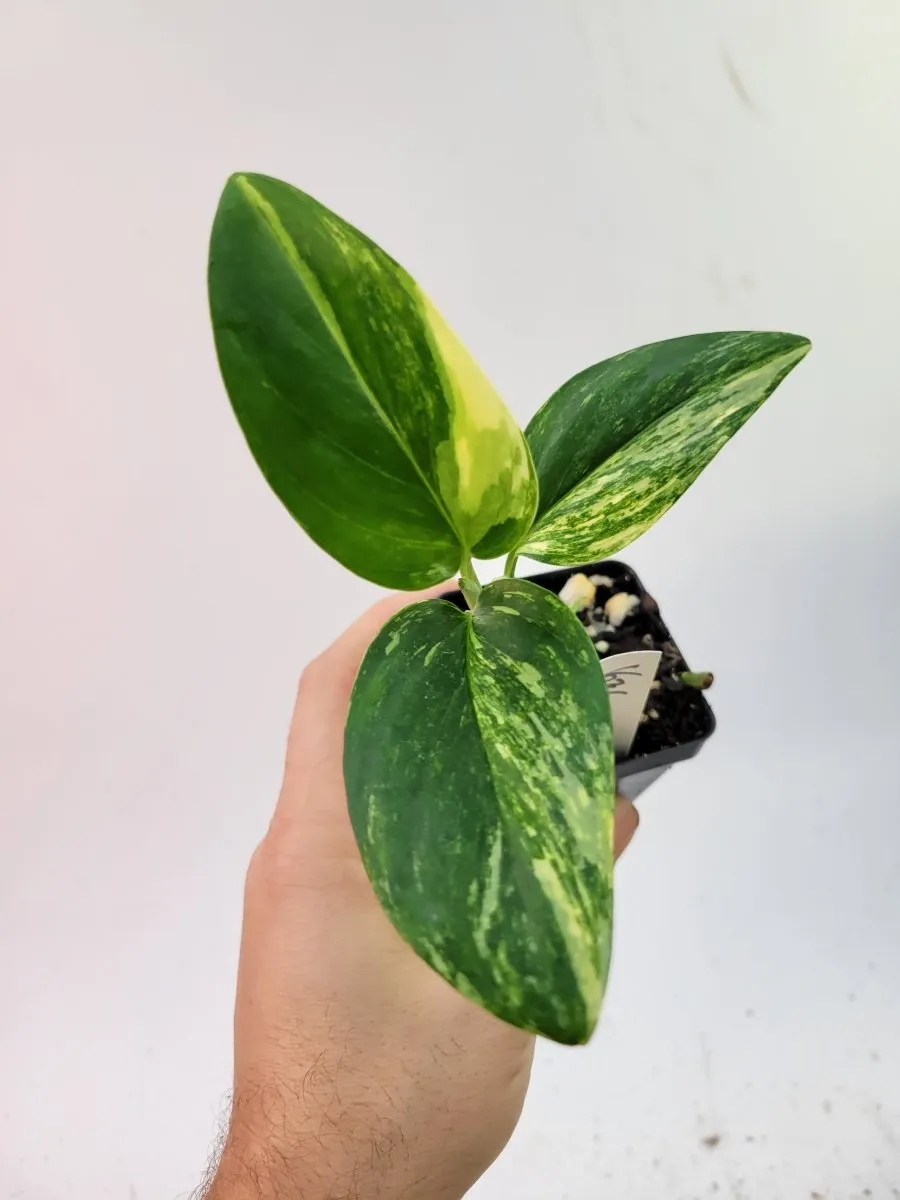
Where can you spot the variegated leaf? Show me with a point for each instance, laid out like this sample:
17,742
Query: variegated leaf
479,770
617,445
365,413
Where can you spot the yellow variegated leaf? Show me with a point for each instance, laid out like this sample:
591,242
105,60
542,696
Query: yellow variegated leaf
364,412
479,767
617,445
484,468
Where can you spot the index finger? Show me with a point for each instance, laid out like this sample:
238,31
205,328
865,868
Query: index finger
313,768
325,686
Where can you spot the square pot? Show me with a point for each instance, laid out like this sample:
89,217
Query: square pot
691,720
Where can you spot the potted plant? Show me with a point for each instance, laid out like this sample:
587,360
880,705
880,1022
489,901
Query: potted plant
657,706
479,750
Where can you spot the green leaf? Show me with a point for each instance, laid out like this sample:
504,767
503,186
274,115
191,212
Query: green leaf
364,412
617,445
480,777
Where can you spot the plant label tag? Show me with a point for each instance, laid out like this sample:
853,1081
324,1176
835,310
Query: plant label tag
628,679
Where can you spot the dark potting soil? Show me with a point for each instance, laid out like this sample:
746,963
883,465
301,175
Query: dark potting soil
674,714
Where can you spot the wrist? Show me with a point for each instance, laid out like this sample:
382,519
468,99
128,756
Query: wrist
244,1175
260,1168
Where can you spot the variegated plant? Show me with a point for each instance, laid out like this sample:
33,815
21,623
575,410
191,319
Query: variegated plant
478,752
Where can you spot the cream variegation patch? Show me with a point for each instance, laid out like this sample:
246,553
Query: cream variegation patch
615,503
485,473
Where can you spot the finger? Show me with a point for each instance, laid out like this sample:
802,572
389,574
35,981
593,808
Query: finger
627,820
316,734
326,684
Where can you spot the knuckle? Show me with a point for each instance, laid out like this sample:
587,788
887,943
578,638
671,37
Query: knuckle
314,673
272,866
256,868
271,869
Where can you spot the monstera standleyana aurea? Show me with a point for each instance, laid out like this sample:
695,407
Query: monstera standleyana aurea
478,751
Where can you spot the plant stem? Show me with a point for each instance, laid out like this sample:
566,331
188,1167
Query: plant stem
697,679
510,568
468,581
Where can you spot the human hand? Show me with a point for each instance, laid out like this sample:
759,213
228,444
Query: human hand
359,1073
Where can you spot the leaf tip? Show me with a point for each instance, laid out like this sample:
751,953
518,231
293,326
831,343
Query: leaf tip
794,346
244,184
234,180
233,191
578,1032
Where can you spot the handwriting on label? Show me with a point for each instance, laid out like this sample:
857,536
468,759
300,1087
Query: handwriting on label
628,679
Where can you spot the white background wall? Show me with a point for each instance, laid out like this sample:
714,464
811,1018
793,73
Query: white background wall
568,179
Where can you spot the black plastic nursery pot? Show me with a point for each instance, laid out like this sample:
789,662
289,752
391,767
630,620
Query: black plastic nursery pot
677,719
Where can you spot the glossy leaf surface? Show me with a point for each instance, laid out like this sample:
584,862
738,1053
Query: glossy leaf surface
364,412
480,777
618,444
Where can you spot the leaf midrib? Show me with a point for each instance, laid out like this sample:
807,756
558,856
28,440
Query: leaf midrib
503,820
509,826
546,515
308,278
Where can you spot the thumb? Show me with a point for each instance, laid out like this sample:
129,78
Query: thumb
316,734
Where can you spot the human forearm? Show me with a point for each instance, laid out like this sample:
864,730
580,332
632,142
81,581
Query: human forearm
360,1073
